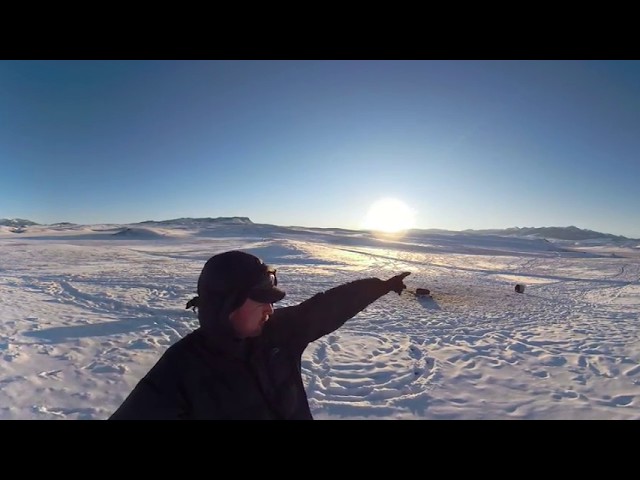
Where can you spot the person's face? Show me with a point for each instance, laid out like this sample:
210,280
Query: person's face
248,319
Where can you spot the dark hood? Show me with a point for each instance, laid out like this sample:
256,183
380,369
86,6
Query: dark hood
213,316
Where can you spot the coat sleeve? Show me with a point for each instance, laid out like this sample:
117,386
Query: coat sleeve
327,311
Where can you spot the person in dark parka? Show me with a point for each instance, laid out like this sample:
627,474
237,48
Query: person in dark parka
244,361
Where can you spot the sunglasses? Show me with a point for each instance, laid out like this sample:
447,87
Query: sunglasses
268,281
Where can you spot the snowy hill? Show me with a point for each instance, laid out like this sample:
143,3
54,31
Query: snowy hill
187,221
232,226
558,233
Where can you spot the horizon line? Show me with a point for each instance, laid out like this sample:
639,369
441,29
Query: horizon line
498,229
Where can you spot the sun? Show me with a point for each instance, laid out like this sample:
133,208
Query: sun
389,215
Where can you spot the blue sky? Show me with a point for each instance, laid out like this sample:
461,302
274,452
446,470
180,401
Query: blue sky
464,144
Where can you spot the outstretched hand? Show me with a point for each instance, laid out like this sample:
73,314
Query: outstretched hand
396,283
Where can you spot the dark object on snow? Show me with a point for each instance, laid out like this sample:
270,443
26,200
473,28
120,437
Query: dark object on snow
422,291
520,288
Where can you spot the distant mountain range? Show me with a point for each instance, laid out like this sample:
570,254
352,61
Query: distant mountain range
557,233
204,220
20,222
16,222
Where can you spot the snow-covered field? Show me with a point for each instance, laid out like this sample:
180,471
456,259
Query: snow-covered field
85,311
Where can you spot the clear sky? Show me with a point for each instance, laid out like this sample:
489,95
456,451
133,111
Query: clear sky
464,144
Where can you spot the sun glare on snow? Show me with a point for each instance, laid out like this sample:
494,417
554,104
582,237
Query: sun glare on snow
389,215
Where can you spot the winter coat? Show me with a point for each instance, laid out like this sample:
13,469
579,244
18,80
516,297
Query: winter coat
209,374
